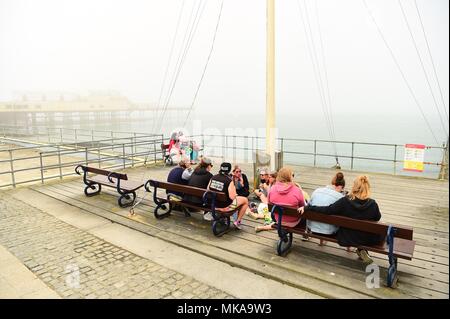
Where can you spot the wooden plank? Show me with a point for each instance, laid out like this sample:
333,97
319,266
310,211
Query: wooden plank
172,226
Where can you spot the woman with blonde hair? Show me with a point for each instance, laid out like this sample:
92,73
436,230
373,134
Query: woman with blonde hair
357,205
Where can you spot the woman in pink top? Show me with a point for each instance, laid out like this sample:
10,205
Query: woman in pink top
286,193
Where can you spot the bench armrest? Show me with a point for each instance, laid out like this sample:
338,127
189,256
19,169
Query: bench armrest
78,168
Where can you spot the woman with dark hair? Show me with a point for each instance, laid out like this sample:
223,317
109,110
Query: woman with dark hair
200,178
325,196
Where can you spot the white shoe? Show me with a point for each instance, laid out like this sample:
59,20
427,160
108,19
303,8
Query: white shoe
208,216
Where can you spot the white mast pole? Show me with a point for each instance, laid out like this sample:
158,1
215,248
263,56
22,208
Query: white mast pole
270,83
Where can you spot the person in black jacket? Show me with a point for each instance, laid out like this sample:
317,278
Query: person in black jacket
200,178
177,176
357,205
240,182
223,182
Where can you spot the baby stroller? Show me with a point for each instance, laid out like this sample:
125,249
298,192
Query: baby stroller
166,154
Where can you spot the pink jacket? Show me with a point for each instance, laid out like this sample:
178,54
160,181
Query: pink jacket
287,195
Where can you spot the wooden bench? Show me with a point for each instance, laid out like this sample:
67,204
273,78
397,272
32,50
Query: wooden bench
127,189
221,220
397,243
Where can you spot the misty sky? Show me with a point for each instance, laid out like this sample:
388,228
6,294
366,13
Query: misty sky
80,45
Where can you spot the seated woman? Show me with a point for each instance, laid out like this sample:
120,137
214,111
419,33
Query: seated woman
286,193
200,178
262,190
261,211
326,196
222,182
177,176
357,205
240,182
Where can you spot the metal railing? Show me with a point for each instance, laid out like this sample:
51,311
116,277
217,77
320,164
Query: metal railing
43,162
60,135
40,161
372,157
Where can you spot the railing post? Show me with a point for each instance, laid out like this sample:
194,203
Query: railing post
132,153
60,135
134,143
224,141
92,135
112,141
76,138
395,159
11,160
353,150
42,167
86,155
123,154
443,172
48,135
234,148
59,162
154,151
253,145
315,153
203,141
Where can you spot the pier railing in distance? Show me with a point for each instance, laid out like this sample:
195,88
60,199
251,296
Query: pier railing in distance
53,135
351,155
42,162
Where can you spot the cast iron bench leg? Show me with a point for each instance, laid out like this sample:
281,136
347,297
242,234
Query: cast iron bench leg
127,199
284,243
221,225
92,186
392,278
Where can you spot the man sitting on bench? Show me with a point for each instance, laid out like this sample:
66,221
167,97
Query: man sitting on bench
357,205
223,182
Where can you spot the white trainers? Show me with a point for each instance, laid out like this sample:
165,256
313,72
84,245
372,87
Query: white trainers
208,216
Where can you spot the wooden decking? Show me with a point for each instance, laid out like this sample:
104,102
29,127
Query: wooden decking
327,271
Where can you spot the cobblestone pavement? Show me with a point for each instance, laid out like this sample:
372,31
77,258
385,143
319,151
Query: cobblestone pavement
77,264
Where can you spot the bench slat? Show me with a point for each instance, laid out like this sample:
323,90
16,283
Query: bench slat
124,184
104,172
379,228
190,190
403,248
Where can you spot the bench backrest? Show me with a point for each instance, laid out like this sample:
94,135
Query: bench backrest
379,228
100,171
188,190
